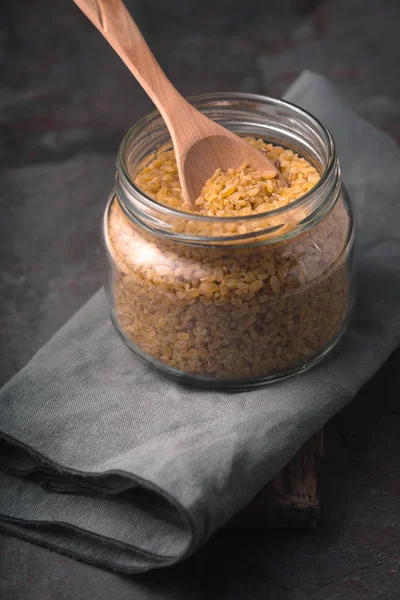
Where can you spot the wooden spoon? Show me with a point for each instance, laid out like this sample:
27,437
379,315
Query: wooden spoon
201,145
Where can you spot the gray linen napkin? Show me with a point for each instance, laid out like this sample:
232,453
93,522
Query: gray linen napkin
107,461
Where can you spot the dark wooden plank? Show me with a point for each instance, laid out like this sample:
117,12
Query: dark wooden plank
291,499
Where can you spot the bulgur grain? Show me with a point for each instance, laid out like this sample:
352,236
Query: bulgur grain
237,192
231,312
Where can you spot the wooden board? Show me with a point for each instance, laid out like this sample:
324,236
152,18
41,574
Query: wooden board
291,499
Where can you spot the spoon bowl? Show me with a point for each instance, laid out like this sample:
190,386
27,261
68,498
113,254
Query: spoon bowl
218,150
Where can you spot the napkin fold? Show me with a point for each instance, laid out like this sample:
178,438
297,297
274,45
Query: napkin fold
106,460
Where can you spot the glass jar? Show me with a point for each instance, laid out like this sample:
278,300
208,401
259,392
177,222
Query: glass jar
231,302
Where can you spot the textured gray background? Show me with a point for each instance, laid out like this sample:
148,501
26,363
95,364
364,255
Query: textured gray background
65,97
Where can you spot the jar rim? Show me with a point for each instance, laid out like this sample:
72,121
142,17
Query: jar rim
304,199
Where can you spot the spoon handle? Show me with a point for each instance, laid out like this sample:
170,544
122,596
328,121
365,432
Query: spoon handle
114,22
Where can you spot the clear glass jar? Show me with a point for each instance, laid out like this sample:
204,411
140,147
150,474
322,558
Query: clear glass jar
231,302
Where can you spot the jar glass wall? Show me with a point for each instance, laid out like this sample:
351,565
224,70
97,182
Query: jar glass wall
231,302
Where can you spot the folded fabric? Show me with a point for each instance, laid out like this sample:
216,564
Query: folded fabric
106,460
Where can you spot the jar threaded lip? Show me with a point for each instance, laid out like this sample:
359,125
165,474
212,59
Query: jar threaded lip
122,167
240,111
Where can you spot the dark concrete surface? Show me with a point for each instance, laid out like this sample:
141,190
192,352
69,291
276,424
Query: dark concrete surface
65,103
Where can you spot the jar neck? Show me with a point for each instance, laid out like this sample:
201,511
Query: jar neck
274,121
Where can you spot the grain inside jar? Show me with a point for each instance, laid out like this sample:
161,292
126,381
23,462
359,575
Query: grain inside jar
237,312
